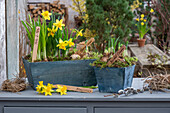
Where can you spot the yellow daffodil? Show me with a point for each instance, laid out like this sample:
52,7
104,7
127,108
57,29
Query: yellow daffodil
46,15
70,43
144,20
142,15
51,32
47,90
62,45
50,85
142,23
137,19
41,83
141,19
80,33
62,90
59,24
151,10
40,87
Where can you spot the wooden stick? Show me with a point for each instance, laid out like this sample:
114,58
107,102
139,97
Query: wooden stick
116,55
36,40
78,89
89,42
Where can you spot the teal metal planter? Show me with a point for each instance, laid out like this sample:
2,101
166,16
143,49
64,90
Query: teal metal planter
75,73
111,80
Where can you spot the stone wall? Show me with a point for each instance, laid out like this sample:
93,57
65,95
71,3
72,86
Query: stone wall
2,42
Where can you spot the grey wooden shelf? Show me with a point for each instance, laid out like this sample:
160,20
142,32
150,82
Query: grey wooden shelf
29,101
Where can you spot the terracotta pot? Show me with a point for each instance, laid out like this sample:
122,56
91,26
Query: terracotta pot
141,42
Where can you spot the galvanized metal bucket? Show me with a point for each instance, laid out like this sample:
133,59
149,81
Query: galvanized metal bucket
75,73
111,80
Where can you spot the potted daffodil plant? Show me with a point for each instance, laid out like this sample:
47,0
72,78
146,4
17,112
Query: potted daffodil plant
54,63
143,28
114,69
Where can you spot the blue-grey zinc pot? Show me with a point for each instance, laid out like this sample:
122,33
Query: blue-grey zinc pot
111,80
75,73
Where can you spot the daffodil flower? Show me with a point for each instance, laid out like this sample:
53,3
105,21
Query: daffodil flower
62,45
70,43
142,15
62,90
50,85
40,87
41,83
80,33
144,20
48,90
141,19
151,10
137,19
142,23
46,15
59,24
52,31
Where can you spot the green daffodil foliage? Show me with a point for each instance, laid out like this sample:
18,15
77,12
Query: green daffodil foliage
55,38
142,24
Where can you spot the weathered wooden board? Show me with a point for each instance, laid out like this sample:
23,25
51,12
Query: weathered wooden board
12,9
142,52
12,39
2,42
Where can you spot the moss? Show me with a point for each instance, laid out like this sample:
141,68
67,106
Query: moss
89,55
129,61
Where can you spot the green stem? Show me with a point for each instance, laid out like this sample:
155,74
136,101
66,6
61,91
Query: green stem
58,53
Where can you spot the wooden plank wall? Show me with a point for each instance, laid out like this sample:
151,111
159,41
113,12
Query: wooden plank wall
2,42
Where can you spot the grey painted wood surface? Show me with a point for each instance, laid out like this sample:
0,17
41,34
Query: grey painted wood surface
132,110
2,42
30,94
29,101
43,110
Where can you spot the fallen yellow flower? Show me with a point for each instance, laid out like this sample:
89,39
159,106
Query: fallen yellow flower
40,87
47,90
62,90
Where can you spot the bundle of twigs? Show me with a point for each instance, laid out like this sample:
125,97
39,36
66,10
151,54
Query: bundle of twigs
158,82
14,85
